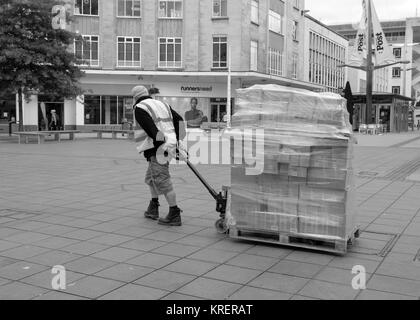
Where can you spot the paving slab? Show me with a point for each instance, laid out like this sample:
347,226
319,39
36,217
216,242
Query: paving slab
94,226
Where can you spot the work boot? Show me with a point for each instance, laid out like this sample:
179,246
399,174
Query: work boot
173,218
152,211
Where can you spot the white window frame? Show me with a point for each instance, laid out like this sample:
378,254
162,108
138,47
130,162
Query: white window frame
395,87
397,50
295,61
170,64
132,9
295,26
220,15
255,11
166,16
219,42
253,65
89,61
83,14
275,62
128,63
275,22
396,74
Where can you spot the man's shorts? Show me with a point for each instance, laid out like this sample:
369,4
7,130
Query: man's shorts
158,177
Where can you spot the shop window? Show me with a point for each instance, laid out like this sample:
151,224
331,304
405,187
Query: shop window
86,7
170,52
129,8
7,109
86,50
129,52
92,110
170,8
108,110
219,8
220,52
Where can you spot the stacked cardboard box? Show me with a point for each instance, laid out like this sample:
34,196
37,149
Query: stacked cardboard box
306,186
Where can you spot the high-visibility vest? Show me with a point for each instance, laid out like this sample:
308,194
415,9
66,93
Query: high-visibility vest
162,117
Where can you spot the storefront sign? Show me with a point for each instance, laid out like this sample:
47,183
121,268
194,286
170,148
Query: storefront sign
197,89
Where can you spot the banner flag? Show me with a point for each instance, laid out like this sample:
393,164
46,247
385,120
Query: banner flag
383,52
358,53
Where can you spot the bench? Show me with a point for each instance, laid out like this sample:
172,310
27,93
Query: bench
42,134
114,132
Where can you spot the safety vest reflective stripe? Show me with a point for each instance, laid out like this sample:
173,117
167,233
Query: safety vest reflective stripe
154,117
152,113
140,136
169,110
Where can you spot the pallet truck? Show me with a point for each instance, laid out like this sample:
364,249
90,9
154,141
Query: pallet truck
221,197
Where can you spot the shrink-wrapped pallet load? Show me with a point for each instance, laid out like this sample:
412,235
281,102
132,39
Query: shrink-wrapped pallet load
306,186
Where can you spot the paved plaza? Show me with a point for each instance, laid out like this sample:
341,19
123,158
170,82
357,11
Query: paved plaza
80,204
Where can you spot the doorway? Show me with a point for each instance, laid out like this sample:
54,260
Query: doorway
218,111
385,117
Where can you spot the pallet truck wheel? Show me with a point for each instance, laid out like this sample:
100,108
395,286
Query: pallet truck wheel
221,226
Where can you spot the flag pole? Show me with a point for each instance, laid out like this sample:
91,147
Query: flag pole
229,84
369,67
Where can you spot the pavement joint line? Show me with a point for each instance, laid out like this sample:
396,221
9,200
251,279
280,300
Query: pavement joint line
402,172
401,233
401,144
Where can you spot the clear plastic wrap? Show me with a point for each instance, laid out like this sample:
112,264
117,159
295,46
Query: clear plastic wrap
306,187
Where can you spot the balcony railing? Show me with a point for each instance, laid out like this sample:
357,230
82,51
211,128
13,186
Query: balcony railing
275,63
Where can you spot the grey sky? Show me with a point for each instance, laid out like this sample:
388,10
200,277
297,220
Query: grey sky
350,11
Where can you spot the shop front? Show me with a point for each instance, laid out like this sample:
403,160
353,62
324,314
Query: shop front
7,112
389,110
107,101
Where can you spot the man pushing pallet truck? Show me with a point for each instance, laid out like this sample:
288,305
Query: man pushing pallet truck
305,195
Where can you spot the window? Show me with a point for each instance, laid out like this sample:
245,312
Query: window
129,52
275,22
86,51
295,30
86,7
275,62
107,110
396,72
129,8
170,8
397,52
219,52
295,66
254,56
396,90
255,8
170,52
219,8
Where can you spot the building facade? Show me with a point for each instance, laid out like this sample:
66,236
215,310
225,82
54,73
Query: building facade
324,51
181,47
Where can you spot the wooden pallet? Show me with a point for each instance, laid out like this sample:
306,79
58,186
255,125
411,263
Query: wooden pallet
294,240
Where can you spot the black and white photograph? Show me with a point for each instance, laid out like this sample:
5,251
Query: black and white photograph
229,151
